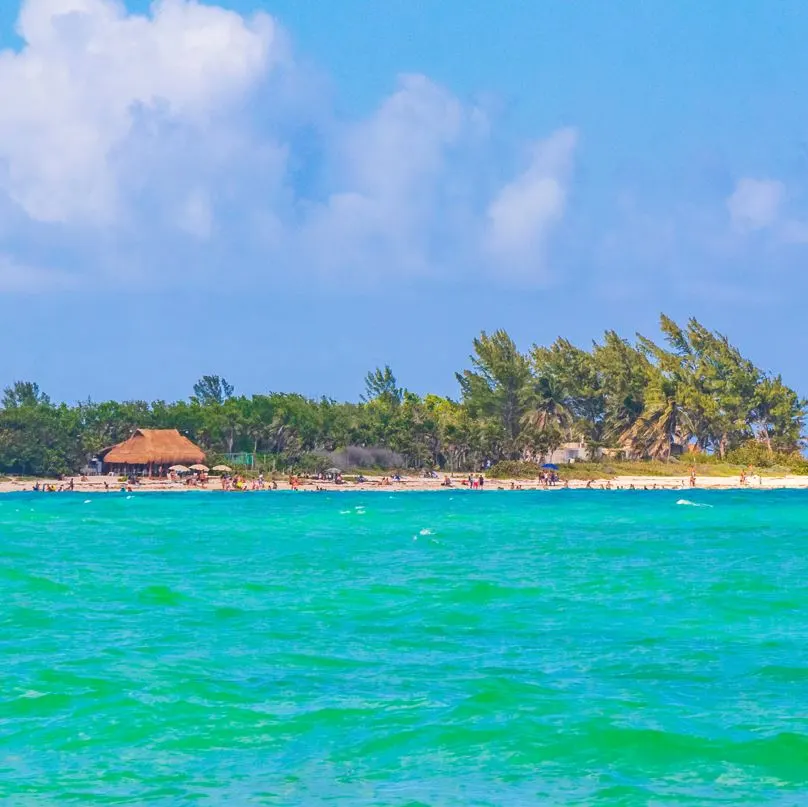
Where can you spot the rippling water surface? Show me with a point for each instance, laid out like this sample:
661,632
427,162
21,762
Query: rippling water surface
407,649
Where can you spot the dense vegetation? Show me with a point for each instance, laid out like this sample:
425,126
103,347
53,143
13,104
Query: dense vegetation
693,393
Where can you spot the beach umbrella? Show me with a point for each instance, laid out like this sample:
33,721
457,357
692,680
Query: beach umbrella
550,466
225,468
333,471
199,467
180,469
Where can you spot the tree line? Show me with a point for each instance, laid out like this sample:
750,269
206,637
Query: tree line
693,391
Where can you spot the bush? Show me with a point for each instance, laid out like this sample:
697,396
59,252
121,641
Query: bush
798,465
514,469
758,455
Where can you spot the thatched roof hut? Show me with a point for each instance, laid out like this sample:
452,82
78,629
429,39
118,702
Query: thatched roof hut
149,447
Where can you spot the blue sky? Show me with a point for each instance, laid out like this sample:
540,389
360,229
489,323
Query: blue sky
291,193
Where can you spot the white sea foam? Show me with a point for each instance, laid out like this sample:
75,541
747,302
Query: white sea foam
688,503
425,532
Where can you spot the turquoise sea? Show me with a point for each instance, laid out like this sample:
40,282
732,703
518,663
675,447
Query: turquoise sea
453,648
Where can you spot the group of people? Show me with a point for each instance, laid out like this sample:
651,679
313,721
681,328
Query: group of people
548,478
472,482
241,483
50,488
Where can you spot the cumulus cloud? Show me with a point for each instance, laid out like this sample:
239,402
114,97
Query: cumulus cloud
69,99
524,212
755,203
394,168
169,138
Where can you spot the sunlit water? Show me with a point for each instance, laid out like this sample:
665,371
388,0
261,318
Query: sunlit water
409,649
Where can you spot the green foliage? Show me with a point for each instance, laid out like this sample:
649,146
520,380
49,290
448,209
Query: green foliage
212,389
37,438
759,455
650,401
380,385
496,391
514,469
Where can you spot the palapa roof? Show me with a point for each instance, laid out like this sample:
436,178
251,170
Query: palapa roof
157,446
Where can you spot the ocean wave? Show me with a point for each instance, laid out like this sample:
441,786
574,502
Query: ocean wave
688,503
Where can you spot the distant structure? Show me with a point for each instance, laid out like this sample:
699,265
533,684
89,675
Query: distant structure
571,452
150,451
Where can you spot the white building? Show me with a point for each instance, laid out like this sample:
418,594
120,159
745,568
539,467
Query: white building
570,452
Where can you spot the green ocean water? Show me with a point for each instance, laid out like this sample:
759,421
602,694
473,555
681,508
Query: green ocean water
452,648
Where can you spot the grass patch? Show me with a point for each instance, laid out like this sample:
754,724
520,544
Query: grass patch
610,469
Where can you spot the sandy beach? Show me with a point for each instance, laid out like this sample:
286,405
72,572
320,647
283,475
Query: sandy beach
106,484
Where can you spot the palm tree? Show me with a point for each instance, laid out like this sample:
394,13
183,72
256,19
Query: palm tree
663,422
546,405
547,418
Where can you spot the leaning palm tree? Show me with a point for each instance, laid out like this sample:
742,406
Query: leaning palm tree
663,421
546,406
547,419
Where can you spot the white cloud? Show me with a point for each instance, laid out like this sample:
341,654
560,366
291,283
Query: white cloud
415,184
393,169
114,125
525,211
70,98
755,203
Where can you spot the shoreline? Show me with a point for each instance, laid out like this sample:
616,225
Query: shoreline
420,485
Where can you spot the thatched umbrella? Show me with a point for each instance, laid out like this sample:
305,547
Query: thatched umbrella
222,468
180,469
199,467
